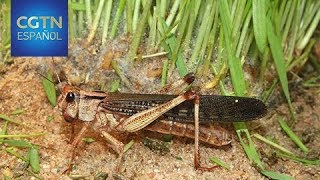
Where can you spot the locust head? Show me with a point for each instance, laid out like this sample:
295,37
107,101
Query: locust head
77,104
68,103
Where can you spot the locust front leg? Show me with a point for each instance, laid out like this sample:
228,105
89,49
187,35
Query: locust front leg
74,144
116,145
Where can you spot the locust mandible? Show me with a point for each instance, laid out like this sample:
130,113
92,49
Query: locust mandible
181,115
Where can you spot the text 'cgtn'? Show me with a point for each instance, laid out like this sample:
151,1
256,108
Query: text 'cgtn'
35,22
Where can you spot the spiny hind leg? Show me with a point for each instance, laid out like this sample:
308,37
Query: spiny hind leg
197,163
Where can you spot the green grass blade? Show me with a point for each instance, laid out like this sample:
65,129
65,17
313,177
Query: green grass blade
88,140
192,19
5,27
71,27
34,159
172,13
50,118
207,35
275,175
181,31
96,21
3,130
292,135
129,15
289,21
88,12
261,138
49,89
278,57
136,12
298,62
293,35
22,135
17,143
8,119
244,35
240,11
128,146
17,112
164,72
153,31
219,162
12,151
248,148
116,20
169,45
194,60
107,14
139,31
298,159
121,74
78,6
259,23
211,42
115,85
237,75
315,21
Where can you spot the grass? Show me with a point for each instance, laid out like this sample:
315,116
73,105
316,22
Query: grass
298,159
128,146
219,162
49,88
208,38
292,135
22,135
8,119
279,176
285,153
32,158
265,140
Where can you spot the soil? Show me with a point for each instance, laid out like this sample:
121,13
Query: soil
21,88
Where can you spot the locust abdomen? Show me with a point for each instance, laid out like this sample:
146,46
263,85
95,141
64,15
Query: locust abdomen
213,135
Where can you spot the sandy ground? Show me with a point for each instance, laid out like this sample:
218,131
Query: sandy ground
21,88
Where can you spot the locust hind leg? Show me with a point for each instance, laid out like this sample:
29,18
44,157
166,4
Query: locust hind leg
144,118
177,88
197,163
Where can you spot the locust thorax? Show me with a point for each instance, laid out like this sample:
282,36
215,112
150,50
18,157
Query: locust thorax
68,103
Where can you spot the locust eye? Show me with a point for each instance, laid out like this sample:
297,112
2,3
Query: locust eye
70,97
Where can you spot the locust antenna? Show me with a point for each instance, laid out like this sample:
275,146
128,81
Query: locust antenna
58,77
55,72
60,85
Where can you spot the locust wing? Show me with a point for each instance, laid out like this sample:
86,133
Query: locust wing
213,108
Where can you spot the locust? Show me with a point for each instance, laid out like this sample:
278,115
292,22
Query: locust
185,114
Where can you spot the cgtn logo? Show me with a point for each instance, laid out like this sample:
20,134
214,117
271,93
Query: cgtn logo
39,28
36,22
